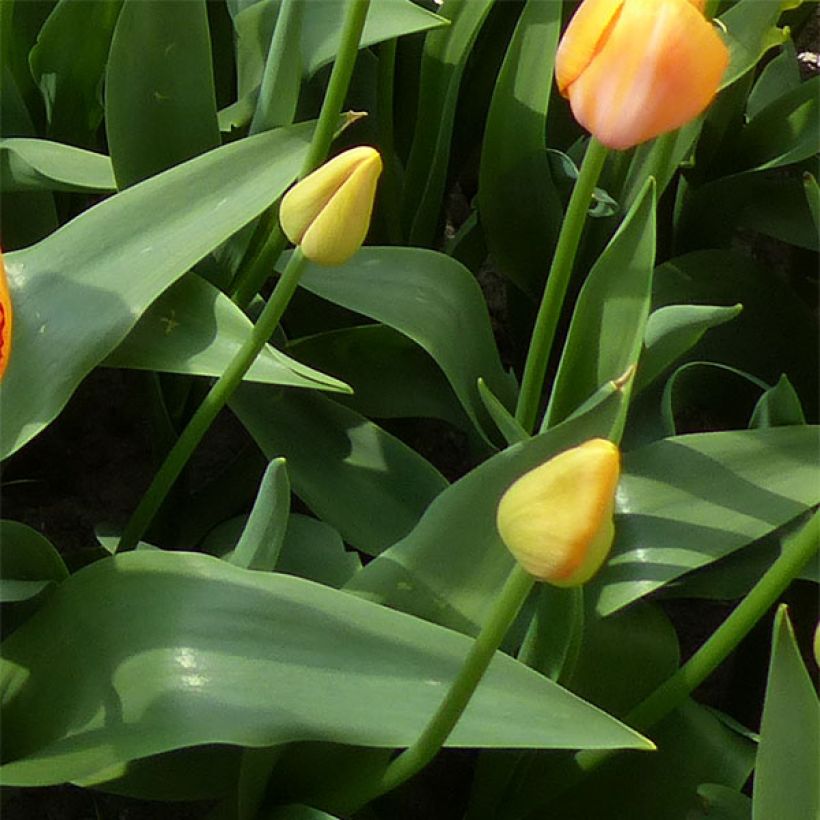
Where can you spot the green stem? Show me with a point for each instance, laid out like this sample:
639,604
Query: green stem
214,401
254,273
438,729
796,553
552,301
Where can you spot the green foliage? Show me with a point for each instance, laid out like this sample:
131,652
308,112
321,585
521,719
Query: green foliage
323,584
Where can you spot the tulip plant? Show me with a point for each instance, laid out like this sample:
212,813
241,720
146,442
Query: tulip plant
433,389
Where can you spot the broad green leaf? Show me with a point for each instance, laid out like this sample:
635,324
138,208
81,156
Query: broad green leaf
521,230
77,296
37,165
68,63
772,204
504,420
784,132
28,562
194,329
261,541
779,406
721,803
750,31
685,502
282,75
297,813
321,25
442,66
433,300
775,333
220,654
694,747
607,329
391,376
812,191
673,330
196,773
778,77
451,566
160,104
364,482
787,779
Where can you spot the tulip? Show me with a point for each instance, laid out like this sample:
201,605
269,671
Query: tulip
556,520
635,69
328,212
5,319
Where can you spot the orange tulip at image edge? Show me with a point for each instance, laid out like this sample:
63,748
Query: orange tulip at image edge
635,69
5,319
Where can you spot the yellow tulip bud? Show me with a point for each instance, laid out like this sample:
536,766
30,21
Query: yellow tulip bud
328,212
816,645
635,69
5,319
557,519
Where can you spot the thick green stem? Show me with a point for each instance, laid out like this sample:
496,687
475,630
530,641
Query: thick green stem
214,401
797,551
438,729
552,301
254,273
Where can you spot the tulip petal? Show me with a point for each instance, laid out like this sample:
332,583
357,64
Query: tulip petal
557,519
305,200
339,229
5,319
659,68
583,37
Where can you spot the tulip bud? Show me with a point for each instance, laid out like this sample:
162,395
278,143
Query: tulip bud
5,319
328,212
557,519
635,69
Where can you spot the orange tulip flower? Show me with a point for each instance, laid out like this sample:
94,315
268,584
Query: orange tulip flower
635,69
556,520
5,318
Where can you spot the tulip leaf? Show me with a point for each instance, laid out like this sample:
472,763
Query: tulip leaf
607,329
449,568
521,231
68,64
433,300
784,132
694,746
787,781
28,562
76,297
194,329
685,502
320,28
506,422
673,330
774,334
355,476
442,65
391,376
779,76
721,803
160,104
750,31
226,655
261,541
37,165
779,406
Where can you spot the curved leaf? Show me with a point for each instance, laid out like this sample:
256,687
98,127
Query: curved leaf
358,478
521,231
160,102
685,502
79,292
37,165
195,329
433,300
220,654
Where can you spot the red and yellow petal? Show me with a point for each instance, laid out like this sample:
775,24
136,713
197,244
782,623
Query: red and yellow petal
6,319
